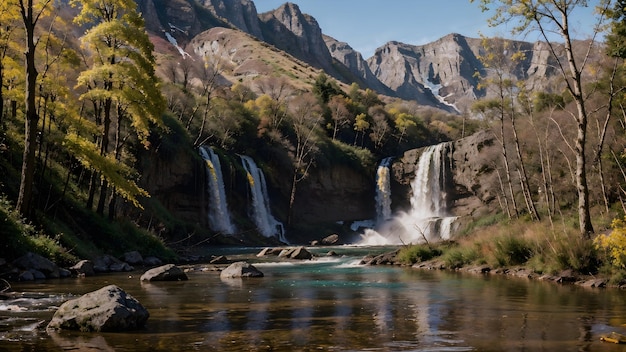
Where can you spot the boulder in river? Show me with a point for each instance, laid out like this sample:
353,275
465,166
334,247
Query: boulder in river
300,253
168,272
133,258
83,268
240,270
31,261
107,309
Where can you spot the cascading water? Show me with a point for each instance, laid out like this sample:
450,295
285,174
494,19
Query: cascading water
383,191
219,217
428,219
260,206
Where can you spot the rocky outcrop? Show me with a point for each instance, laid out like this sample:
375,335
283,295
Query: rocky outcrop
358,67
298,34
37,267
475,179
240,14
107,309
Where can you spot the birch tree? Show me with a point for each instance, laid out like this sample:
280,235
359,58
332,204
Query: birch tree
553,17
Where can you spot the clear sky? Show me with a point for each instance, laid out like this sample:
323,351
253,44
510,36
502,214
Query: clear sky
368,24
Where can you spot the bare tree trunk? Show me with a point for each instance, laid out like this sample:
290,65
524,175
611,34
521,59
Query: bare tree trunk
530,205
24,200
506,200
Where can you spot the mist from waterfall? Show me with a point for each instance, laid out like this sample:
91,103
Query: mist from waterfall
260,210
383,191
428,219
219,216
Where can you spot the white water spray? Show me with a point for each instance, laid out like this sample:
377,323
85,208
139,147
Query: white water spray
260,204
219,217
383,191
428,219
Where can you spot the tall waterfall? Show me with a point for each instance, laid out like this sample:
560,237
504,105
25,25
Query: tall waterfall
428,218
260,205
219,217
383,191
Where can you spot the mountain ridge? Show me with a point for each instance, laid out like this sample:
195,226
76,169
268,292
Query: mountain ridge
440,74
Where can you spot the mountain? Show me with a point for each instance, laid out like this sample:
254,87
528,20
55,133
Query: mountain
440,74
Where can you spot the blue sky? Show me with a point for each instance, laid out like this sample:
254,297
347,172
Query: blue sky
369,24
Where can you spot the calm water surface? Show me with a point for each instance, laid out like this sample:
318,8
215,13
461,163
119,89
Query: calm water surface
329,305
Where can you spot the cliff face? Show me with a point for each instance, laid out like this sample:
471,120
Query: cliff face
356,65
241,14
333,194
446,69
298,34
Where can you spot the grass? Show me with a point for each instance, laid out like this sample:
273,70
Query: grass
539,246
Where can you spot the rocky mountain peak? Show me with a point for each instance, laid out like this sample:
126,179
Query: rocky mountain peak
297,33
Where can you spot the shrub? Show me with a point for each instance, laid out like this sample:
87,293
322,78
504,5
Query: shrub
614,244
417,253
457,257
512,250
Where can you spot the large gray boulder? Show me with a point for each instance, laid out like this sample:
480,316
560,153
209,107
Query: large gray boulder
240,270
168,272
107,309
31,261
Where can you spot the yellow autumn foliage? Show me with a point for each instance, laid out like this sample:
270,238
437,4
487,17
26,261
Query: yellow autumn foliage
614,243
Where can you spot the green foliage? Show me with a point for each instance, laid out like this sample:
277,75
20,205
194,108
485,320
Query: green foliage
616,39
512,250
20,237
336,152
458,256
544,100
417,253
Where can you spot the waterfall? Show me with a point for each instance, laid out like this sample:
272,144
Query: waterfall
260,205
383,191
428,219
219,217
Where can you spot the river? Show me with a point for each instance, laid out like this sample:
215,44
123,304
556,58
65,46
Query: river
329,304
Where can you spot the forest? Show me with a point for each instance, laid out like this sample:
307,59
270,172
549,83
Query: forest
87,105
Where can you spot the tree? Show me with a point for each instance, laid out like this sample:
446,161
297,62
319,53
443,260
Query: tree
553,16
339,113
121,83
306,116
500,59
9,17
31,12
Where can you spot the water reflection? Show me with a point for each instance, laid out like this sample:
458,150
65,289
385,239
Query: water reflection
333,305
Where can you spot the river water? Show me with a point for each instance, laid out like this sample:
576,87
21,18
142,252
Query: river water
329,304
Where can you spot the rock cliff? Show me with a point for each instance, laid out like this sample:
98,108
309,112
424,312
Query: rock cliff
356,65
298,34
446,69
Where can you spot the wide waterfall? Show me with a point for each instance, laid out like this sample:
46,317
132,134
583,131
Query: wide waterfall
428,219
260,204
383,191
219,216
